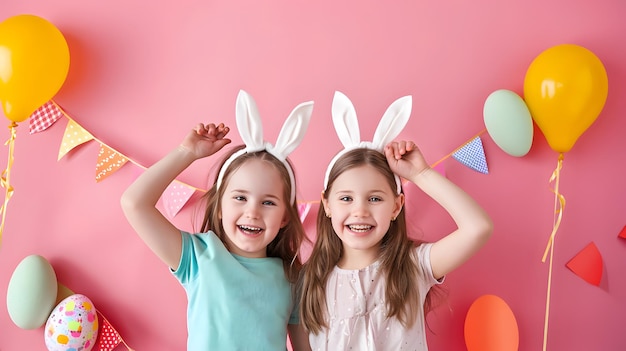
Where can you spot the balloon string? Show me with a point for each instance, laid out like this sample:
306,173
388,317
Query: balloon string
118,334
6,175
559,205
547,315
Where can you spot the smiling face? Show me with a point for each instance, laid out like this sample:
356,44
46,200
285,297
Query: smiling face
253,208
361,204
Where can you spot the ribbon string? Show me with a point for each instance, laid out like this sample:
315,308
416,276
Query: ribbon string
559,205
5,180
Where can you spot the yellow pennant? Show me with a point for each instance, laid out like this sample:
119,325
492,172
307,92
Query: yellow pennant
74,135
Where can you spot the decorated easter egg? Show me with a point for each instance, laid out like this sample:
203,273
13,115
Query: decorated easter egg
32,292
72,325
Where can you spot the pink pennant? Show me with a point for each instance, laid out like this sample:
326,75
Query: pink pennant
440,168
44,117
303,210
587,264
175,197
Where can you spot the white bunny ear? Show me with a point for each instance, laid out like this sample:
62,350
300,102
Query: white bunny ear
392,122
347,127
249,122
293,130
345,121
251,131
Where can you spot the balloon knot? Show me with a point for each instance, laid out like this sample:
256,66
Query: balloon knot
13,125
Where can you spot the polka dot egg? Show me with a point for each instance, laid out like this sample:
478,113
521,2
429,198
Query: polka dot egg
72,325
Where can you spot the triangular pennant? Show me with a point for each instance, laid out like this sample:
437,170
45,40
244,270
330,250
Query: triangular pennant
175,197
108,337
440,168
587,264
622,234
44,117
473,156
109,161
74,135
303,210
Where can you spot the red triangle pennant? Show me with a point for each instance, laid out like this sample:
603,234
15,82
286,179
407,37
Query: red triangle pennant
622,234
108,337
587,264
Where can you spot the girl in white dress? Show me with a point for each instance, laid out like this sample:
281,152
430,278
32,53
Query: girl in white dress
366,284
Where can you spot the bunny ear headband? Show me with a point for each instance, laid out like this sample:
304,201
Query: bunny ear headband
251,131
347,127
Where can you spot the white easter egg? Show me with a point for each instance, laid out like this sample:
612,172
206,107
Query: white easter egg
72,325
32,292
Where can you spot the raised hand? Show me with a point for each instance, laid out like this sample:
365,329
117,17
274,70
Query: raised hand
405,159
205,140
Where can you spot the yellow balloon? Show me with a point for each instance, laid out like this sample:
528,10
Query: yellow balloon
34,61
565,88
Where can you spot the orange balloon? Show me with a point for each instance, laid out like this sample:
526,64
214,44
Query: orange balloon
490,325
34,62
565,89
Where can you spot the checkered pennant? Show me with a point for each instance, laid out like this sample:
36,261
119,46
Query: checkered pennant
44,117
473,156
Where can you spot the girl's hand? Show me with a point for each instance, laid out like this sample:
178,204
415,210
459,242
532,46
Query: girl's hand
205,140
405,159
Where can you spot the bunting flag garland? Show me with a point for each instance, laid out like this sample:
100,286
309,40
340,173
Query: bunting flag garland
175,197
109,161
472,155
178,194
74,135
44,117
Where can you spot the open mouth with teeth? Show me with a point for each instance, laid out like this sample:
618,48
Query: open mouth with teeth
248,230
359,228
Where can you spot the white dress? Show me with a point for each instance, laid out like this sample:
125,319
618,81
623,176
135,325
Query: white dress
357,312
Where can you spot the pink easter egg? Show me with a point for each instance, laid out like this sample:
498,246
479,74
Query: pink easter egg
72,325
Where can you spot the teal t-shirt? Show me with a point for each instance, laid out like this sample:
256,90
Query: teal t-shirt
234,302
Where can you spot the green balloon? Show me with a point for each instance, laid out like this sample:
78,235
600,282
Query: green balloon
509,122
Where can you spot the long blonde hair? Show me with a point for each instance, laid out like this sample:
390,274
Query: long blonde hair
286,245
397,256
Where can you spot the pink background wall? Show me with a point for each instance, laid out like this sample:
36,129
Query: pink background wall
143,73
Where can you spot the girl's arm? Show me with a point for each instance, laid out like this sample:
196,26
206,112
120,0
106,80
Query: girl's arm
474,226
140,198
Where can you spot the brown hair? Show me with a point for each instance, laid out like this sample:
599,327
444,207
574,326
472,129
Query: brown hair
397,255
287,243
